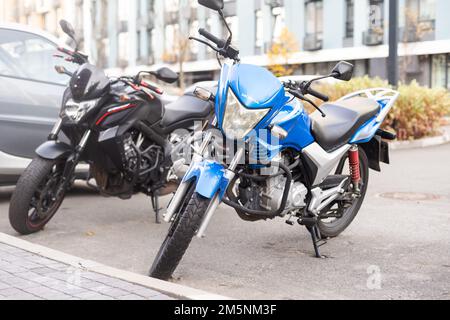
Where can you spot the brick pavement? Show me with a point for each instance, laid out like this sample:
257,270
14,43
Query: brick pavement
28,276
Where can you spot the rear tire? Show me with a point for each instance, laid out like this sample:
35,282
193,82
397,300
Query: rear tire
335,228
37,179
180,237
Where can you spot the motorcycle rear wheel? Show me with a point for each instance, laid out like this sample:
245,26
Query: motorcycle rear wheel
333,228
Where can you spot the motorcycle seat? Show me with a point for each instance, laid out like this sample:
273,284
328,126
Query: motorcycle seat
343,119
185,111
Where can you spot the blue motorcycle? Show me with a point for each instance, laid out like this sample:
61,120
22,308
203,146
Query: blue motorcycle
282,162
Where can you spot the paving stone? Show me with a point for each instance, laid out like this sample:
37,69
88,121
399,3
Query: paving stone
162,297
132,297
110,291
145,292
93,296
4,286
10,292
26,276
43,271
89,284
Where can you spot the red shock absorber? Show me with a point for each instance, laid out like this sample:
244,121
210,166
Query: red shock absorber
355,172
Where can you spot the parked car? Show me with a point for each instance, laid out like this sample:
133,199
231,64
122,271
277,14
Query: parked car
30,95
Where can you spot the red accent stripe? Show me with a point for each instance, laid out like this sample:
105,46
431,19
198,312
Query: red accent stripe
106,115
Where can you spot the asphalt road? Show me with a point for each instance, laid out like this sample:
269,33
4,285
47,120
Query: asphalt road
396,248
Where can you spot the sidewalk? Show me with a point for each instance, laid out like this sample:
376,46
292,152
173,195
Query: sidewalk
27,276
32,272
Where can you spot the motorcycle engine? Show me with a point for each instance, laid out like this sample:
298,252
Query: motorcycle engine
272,195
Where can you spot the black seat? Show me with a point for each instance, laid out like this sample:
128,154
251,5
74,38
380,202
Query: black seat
185,111
343,120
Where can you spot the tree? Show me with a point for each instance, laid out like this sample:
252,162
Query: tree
280,53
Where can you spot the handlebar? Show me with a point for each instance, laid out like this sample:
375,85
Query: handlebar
223,47
76,57
219,42
305,89
318,95
151,87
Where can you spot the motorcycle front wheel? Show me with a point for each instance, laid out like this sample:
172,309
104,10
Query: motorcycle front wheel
181,232
37,197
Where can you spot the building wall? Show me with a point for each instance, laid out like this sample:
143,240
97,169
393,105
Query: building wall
141,32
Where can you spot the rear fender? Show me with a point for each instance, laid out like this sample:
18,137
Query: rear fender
54,150
377,151
210,179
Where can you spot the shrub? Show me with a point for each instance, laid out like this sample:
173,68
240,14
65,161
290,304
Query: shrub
417,113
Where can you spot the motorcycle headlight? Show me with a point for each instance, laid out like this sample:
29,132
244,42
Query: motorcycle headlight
76,111
238,120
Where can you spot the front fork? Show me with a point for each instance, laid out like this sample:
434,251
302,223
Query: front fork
72,162
184,187
229,175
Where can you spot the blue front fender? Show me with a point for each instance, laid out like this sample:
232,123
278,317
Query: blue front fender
210,178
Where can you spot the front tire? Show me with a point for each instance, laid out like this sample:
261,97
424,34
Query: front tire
180,237
35,200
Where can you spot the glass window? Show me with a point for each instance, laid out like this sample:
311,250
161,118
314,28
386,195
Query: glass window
349,18
279,15
259,37
448,71
439,71
422,10
376,14
26,55
314,18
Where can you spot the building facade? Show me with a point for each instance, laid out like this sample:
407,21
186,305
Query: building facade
136,33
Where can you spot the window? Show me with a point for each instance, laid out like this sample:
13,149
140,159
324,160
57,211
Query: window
419,20
28,56
259,36
376,15
349,18
440,71
279,15
448,72
424,10
314,18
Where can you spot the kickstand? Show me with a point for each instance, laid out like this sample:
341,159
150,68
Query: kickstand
156,208
317,241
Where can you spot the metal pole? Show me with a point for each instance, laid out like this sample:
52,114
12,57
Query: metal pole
393,74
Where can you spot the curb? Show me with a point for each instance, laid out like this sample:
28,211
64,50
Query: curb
171,289
422,143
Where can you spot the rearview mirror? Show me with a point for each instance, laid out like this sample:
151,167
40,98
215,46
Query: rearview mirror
343,71
166,75
67,28
216,5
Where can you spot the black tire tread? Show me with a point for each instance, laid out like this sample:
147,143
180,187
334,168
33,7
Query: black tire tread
335,231
174,247
25,188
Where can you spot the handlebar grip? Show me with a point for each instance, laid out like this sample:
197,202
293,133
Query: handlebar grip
151,87
318,95
219,42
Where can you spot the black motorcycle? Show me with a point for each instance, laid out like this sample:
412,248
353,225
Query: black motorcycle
120,127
